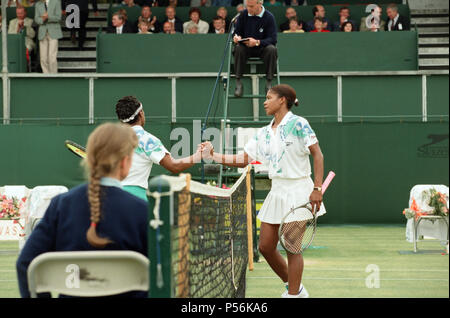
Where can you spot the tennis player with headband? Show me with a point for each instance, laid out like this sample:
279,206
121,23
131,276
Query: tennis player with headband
150,149
284,146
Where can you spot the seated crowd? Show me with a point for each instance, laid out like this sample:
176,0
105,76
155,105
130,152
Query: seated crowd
147,23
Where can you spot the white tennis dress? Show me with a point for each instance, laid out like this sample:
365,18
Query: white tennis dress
286,154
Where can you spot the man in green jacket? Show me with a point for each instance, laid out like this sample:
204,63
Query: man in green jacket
48,17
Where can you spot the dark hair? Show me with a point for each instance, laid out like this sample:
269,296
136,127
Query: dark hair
286,91
195,10
146,5
218,17
126,107
318,19
344,8
294,19
345,23
316,9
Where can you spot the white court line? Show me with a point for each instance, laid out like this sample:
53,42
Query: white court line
352,278
8,280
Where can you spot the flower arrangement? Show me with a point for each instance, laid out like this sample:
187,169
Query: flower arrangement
436,200
10,207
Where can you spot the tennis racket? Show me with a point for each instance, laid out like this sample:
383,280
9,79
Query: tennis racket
298,226
75,148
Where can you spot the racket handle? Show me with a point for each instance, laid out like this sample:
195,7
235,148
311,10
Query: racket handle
327,181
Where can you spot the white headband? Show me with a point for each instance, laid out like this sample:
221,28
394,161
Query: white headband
132,116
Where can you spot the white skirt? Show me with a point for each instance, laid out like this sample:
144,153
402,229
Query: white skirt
284,195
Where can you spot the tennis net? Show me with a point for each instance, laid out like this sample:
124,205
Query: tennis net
210,236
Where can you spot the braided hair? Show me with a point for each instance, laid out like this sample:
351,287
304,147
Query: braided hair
107,146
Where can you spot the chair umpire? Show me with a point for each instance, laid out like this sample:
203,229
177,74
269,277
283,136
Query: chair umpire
258,25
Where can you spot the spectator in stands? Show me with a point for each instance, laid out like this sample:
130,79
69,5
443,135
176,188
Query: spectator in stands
118,25
273,3
127,24
257,25
319,25
172,18
344,16
222,12
293,3
195,15
294,26
240,7
200,3
372,22
347,27
146,16
23,24
193,29
128,3
93,216
83,5
48,18
20,3
169,28
221,3
143,27
218,26
318,12
396,22
290,13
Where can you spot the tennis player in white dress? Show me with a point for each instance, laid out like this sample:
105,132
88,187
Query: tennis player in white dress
284,146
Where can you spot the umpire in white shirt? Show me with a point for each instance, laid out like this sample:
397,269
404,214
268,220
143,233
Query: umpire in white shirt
48,18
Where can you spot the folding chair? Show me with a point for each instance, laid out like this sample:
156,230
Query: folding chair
88,273
37,203
435,226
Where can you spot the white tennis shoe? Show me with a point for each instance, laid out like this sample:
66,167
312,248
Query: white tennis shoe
303,293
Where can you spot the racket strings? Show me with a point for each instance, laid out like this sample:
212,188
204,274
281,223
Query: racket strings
297,232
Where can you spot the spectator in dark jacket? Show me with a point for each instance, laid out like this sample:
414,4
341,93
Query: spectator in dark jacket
344,16
396,22
290,13
319,12
172,18
83,5
255,36
118,25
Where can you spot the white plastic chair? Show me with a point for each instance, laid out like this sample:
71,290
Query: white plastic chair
88,273
434,226
37,203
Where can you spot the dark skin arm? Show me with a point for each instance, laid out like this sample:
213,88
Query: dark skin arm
316,196
240,160
179,165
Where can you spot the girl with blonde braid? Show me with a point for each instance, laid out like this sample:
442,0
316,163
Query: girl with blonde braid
99,215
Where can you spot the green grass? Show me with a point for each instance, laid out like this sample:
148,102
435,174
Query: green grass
335,268
9,251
